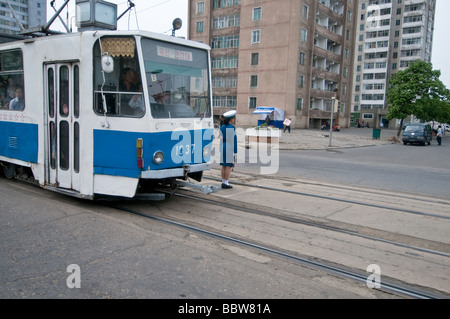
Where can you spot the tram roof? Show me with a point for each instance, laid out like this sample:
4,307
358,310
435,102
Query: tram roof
101,33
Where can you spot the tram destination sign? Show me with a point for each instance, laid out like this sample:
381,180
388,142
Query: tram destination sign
174,54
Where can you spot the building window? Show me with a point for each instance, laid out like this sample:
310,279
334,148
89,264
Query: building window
200,26
252,103
305,10
200,7
231,41
253,81
299,104
256,13
225,62
304,35
302,58
224,101
256,36
226,22
225,3
255,59
300,81
224,82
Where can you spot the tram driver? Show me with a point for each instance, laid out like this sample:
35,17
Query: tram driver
137,103
127,81
130,104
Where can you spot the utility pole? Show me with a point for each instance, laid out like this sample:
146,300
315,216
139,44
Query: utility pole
334,105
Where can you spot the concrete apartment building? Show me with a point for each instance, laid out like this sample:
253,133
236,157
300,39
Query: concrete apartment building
296,55
391,35
26,13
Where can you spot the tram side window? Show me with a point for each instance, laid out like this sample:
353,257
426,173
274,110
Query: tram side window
51,92
64,91
122,88
76,91
52,145
12,94
76,147
64,145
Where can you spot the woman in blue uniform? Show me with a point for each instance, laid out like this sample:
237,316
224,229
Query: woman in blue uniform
228,147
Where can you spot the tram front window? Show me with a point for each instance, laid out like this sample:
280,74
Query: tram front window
119,92
177,79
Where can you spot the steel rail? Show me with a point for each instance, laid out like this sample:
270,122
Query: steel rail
348,201
317,225
384,286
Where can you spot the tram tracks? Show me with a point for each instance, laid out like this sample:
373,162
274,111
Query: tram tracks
342,228
354,202
388,285
377,213
279,233
319,241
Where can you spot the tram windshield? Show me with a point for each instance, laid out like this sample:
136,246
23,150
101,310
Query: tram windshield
175,78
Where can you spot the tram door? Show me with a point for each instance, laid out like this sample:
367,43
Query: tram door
63,129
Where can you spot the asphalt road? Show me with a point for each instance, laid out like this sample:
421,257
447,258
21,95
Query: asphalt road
411,168
121,256
55,246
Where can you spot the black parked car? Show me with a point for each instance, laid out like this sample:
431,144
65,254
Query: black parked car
417,133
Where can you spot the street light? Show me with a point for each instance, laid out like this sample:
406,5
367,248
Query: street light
176,24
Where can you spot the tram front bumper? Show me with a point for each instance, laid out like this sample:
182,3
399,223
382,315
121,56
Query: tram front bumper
175,172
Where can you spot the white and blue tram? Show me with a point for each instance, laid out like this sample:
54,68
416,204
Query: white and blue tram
105,112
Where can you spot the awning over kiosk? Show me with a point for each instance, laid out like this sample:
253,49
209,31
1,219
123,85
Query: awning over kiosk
264,110
276,115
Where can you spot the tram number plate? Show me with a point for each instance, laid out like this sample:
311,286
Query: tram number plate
181,150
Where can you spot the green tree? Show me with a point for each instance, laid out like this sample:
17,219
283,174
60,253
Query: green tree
417,91
434,110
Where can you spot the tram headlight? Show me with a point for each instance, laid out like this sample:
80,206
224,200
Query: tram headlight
206,152
158,157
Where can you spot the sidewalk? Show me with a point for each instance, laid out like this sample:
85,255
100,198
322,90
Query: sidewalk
315,139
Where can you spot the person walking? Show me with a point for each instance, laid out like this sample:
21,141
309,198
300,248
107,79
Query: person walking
439,135
228,147
287,125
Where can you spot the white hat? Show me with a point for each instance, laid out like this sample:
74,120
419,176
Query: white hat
230,114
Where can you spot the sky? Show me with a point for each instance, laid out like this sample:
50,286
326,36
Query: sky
157,16
441,45
149,15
